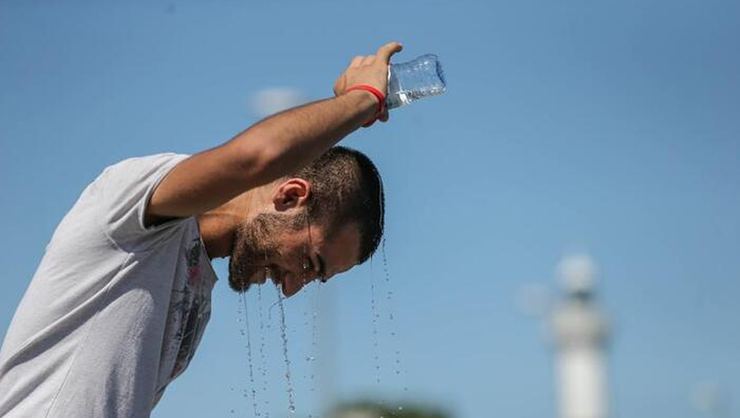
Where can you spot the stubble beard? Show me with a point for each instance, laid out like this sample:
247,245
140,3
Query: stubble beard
255,247
252,251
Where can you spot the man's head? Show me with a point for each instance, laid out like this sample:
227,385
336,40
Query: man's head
323,220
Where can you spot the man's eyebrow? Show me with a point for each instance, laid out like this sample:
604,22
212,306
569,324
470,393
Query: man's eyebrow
322,266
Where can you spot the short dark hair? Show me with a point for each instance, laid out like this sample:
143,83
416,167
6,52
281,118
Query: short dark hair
346,188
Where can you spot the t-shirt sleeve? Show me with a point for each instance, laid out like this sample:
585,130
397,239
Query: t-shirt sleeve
125,189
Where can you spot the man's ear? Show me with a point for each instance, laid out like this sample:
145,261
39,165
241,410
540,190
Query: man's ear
290,194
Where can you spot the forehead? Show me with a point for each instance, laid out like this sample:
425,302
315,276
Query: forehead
340,249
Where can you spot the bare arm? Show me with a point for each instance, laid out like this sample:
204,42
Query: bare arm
273,147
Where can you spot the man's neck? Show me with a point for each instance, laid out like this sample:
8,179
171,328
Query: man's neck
217,234
218,226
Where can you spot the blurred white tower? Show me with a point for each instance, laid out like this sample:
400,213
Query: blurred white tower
581,336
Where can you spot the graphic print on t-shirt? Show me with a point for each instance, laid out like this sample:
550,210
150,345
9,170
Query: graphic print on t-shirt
192,307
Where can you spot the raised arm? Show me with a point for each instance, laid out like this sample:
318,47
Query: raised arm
273,147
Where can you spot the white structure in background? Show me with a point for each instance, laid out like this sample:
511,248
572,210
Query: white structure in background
581,335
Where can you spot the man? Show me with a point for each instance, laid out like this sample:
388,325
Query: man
120,300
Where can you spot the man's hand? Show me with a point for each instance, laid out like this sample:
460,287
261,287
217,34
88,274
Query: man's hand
371,69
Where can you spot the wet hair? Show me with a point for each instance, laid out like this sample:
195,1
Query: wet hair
346,188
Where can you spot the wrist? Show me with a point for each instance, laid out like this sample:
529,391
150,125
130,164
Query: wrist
366,100
378,97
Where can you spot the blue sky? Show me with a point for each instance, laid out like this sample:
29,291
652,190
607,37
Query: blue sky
607,127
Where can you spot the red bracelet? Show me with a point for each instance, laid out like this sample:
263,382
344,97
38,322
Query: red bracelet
378,95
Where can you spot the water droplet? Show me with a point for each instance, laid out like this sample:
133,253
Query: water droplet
374,315
391,317
286,359
245,332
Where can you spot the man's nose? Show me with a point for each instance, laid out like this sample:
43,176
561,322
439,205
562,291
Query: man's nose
290,292
309,276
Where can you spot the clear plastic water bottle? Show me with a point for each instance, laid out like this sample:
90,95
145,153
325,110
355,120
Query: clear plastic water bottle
413,80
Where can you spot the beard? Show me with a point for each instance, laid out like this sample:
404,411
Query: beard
255,246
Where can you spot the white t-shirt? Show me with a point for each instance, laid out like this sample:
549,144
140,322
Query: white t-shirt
115,310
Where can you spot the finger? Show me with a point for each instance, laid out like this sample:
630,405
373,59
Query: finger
368,60
356,61
384,117
386,51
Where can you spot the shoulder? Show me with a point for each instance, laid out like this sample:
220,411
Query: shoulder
146,163
124,190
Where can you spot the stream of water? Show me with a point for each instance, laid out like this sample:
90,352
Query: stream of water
246,332
286,358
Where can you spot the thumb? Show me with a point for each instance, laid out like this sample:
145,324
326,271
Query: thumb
386,51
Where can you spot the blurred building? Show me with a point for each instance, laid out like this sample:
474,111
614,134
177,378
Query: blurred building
581,334
370,409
